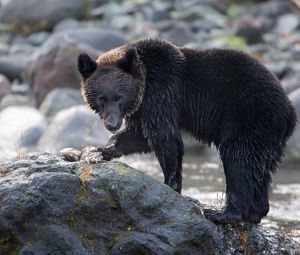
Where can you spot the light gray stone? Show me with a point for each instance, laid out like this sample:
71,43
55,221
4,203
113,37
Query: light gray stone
74,127
17,100
287,23
59,99
67,24
16,124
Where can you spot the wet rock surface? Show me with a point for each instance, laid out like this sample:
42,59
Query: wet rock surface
52,206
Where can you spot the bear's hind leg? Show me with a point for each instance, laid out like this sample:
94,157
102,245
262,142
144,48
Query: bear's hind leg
239,195
260,205
246,186
263,162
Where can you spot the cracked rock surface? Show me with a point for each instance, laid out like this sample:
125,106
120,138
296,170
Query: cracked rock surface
52,206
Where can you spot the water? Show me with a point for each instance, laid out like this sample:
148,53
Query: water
203,179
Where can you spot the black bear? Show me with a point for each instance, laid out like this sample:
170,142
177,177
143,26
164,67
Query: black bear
220,96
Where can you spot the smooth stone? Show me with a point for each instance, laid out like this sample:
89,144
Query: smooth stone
17,100
13,66
19,126
55,66
287,23
66,24
59,99
74,127
38,38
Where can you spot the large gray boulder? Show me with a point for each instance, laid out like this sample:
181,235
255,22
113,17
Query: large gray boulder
74,127
16,126
50,206
59,99
12,66
35,14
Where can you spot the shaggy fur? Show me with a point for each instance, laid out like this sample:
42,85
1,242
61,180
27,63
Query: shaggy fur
222,97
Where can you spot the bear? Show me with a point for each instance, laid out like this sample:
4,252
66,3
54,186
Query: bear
222,97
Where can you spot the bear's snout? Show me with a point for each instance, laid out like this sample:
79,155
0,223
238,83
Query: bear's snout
113,122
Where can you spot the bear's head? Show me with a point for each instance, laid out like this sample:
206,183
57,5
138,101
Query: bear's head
113,85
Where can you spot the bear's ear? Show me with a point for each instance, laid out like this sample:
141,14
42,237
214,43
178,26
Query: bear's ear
86,65
129,63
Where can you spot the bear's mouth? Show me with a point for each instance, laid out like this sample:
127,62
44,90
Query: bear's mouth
114,131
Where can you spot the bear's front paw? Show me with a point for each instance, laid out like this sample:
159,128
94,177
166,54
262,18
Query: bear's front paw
108,153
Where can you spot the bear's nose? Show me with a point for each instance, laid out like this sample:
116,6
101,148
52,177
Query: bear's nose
112,123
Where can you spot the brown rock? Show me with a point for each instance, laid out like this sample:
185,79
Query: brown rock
58,68
54,64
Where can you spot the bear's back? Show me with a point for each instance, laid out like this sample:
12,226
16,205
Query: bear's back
229,89
226,67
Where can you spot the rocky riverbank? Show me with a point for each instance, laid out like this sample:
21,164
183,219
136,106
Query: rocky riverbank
53,206
40,41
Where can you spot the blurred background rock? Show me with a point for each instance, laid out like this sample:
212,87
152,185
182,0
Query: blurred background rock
41,39
41,107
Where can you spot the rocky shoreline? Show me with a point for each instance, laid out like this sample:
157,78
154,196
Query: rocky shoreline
53,206
49,205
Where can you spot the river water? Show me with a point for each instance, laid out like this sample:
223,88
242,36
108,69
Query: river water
203,179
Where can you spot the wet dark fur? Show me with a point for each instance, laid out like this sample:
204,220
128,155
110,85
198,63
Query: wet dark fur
222,97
